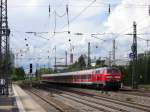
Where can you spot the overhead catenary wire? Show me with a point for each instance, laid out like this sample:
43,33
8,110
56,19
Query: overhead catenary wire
97,4
88,6
66,13
49,10
67,10
67,24
143,38
141,19
78,15
55,22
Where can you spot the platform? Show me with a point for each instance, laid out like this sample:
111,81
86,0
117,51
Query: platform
8,104
25,102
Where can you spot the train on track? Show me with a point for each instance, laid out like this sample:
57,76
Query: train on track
105,77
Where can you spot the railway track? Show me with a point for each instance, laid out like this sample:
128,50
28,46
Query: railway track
131,105
137,93
105,98
99,108
51,101
106,103
75,98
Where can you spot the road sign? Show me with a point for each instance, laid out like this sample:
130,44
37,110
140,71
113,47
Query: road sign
131,55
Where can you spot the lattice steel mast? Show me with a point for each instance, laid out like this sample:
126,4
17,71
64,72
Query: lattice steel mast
4,43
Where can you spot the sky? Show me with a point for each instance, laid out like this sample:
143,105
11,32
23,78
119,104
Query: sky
86,17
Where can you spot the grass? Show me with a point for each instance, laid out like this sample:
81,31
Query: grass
145,87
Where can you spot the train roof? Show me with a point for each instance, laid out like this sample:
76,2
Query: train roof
81,72
70,73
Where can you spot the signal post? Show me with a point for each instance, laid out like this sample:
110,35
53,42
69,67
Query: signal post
134,62
30,74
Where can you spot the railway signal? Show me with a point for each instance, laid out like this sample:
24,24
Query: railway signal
131,55
89,53
30,68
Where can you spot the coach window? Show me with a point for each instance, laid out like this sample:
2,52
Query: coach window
86,76
102,72
97,71
75,78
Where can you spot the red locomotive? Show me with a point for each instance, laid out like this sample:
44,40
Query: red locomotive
101,77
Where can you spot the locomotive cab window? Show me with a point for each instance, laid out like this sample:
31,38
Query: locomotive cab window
112,70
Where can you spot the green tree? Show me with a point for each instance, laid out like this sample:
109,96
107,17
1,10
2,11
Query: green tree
126,72
17,74
44,71
78,65
100,63
81,63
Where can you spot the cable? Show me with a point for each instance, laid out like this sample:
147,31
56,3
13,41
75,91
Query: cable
98,38
67,10
35,33
143,39
65,13
144,27
55,22
131,26
58,15
49,10
72,20
100,4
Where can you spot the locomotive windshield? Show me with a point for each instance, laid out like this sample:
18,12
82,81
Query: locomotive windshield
113,70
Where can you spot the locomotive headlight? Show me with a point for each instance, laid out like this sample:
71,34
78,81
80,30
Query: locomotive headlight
117,77
109,77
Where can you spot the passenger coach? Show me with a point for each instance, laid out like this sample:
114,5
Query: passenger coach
101,77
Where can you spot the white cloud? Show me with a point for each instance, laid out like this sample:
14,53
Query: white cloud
119,21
